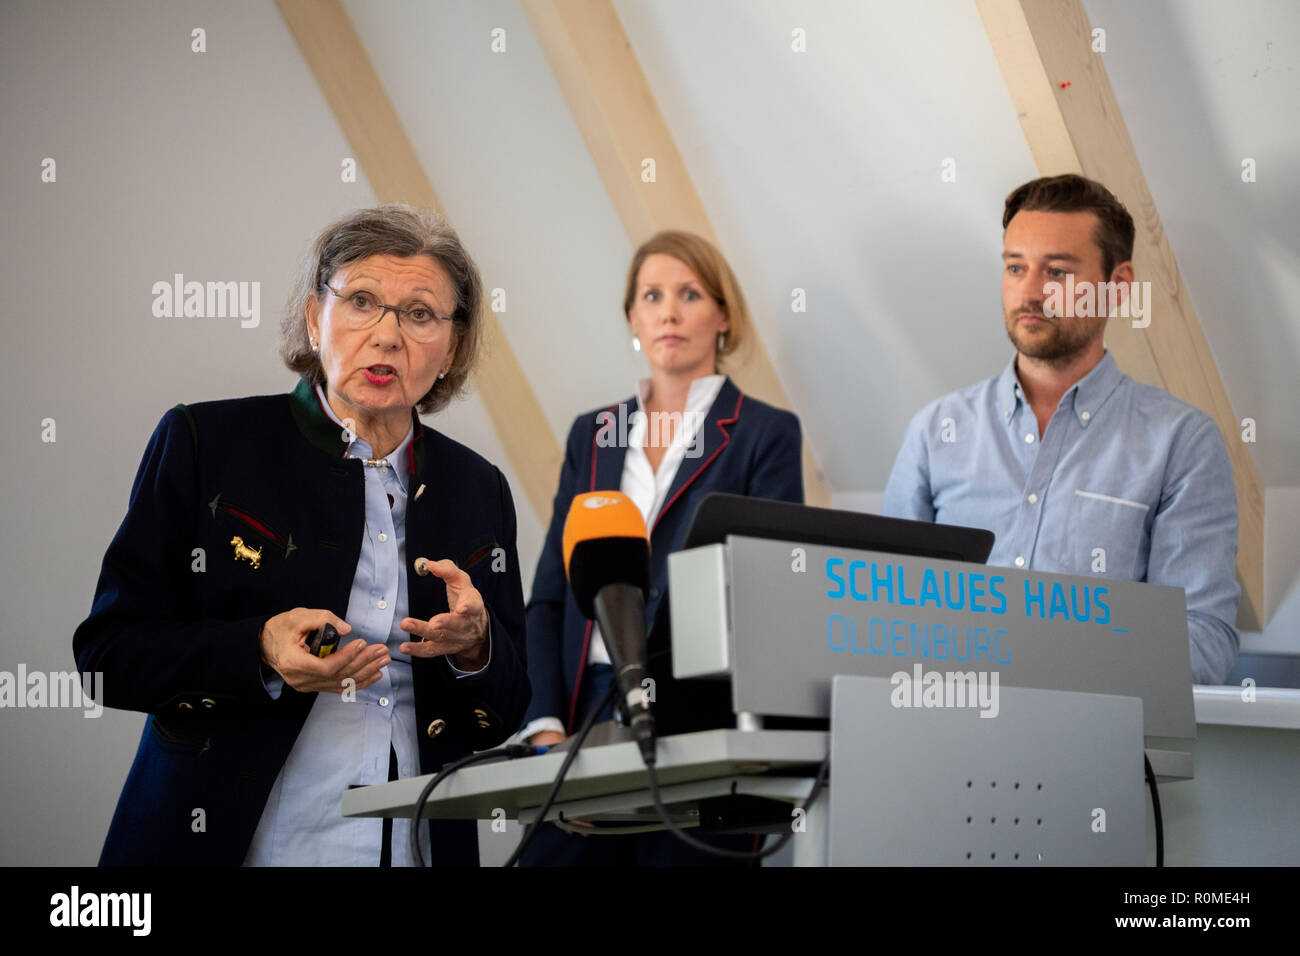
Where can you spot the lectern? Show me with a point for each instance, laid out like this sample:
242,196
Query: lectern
975,715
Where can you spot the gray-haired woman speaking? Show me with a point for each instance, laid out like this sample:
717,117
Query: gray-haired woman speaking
254,522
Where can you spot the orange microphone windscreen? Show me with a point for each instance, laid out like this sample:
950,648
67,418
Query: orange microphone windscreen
601,514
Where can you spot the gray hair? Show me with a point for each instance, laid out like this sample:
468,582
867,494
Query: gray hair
393,229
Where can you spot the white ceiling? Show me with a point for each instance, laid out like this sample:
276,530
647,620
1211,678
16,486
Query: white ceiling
820,171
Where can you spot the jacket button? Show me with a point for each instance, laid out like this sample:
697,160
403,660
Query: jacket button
437,727
185,705
208,702
484,724
480,713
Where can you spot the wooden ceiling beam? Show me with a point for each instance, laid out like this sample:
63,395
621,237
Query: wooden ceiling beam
616,113
347,78
1072,121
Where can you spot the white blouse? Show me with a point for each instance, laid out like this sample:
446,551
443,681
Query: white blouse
647,487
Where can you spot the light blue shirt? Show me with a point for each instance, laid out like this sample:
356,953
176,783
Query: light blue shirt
346,742
1127,482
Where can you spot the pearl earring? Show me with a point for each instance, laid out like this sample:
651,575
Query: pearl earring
636,344
722,341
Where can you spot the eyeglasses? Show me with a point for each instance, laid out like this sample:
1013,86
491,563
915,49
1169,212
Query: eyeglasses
362,310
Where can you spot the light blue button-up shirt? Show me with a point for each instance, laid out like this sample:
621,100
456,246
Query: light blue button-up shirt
1126,482
346,742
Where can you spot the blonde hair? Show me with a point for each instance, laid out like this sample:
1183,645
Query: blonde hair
710,267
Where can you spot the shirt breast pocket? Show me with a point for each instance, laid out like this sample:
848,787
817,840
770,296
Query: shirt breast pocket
1104,535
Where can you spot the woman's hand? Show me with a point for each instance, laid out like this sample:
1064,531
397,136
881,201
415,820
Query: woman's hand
284,650
461,632
546,738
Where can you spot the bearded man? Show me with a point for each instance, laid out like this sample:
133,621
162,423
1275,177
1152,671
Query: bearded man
1075,467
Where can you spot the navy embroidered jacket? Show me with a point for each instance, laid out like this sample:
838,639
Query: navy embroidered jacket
749,448
183,644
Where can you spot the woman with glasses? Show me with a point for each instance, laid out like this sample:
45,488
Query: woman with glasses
690,431
255,522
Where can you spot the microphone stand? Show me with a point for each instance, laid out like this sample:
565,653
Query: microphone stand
620,611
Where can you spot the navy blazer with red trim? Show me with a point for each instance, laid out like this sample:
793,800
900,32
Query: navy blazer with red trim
749,448
180,640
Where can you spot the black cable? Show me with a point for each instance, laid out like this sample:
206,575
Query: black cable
509,752
519,750
689,840
1155,806
578,738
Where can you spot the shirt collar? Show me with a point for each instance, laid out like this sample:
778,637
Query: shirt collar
1095,387
360,448
1086,395
700,398
1008,391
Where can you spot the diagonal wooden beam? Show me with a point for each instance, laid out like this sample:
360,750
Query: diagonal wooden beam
615,112
1041,45
352,89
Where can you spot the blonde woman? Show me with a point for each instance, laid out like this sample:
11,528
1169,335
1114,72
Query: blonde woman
687,431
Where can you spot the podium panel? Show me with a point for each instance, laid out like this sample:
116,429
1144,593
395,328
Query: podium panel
782,618
1056,778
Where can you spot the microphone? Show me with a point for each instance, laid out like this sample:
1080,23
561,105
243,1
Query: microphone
607,559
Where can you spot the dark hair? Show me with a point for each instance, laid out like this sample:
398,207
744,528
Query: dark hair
393,229
1074,193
